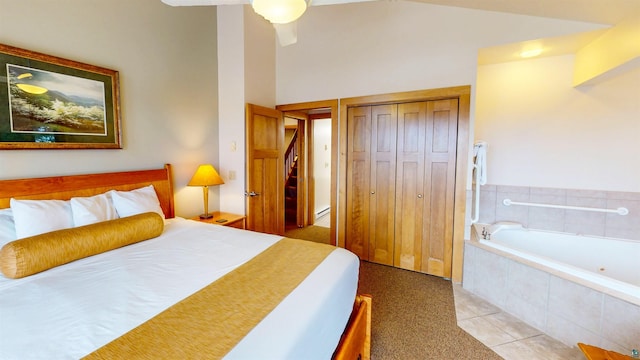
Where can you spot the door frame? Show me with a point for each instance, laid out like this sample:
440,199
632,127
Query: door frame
463,94
302,185
333,105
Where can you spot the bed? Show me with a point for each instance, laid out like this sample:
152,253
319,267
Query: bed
151,285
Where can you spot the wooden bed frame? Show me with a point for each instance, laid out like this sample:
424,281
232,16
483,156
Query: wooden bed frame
66,187
356,339
355,343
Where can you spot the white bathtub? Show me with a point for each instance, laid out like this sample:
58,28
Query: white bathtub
575,288
606,264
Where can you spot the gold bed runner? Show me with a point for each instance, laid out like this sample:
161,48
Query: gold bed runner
210,322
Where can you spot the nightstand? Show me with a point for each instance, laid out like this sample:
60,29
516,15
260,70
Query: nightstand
232,220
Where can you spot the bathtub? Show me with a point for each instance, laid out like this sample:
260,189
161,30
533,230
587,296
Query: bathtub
606,264
574,288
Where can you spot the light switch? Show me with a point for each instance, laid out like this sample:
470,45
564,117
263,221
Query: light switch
232,174
233,146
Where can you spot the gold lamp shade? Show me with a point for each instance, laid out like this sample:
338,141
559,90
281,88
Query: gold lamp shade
205,176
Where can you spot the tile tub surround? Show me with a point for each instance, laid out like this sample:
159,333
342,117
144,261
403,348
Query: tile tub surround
564,310
563,220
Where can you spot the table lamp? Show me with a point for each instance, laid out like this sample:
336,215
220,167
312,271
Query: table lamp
205,176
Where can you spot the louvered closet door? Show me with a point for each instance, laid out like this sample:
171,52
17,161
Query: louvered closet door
410,173
382,183
439,183
358,176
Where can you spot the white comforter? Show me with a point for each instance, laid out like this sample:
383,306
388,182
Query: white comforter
69,311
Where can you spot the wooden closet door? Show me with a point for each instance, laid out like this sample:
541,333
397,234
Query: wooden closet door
412,118
439,183
382,183
358,177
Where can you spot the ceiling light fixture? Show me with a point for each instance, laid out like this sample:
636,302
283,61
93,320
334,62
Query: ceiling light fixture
280,11
531,53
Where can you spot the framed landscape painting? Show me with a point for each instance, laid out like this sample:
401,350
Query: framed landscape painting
48,102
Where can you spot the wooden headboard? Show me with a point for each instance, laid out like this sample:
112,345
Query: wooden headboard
66,187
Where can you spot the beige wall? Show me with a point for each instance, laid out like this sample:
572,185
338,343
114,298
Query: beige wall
260,59
166,58
322,163
543,132
231,88
390,46
246,74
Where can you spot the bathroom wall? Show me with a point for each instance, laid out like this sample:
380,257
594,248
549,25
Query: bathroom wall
543,132
583,222
550,142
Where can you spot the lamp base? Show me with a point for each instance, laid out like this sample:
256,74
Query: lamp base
206,216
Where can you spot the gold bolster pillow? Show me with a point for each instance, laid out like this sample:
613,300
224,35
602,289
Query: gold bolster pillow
34,254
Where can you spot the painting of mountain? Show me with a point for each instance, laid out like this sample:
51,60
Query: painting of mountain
47,102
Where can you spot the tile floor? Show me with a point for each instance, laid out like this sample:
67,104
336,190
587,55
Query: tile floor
506,335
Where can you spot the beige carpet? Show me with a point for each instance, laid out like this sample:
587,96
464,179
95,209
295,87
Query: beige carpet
413,314
312,233
413,317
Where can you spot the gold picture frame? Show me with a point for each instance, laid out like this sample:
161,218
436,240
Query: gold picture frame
47,102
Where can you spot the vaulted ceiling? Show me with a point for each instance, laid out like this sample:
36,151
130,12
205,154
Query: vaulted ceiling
608,12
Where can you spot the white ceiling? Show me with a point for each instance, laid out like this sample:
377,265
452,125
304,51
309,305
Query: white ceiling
605,12
594,11
560,45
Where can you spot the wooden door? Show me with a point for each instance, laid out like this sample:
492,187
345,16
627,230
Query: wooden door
400,184
439,184
382,183
265,169
409,211
358,170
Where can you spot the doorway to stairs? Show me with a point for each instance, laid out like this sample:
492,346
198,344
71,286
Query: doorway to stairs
308,164
309,170
294,157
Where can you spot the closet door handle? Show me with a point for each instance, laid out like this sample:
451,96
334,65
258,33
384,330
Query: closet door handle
419,196
373,192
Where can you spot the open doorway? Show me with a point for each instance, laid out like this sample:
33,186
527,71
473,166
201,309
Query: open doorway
307,191
315,171
320,165
294,171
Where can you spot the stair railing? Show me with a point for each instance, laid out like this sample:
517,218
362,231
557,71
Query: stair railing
290,157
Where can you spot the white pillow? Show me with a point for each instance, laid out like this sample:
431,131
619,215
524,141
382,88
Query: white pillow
136,201
34,217
93,209
7,227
